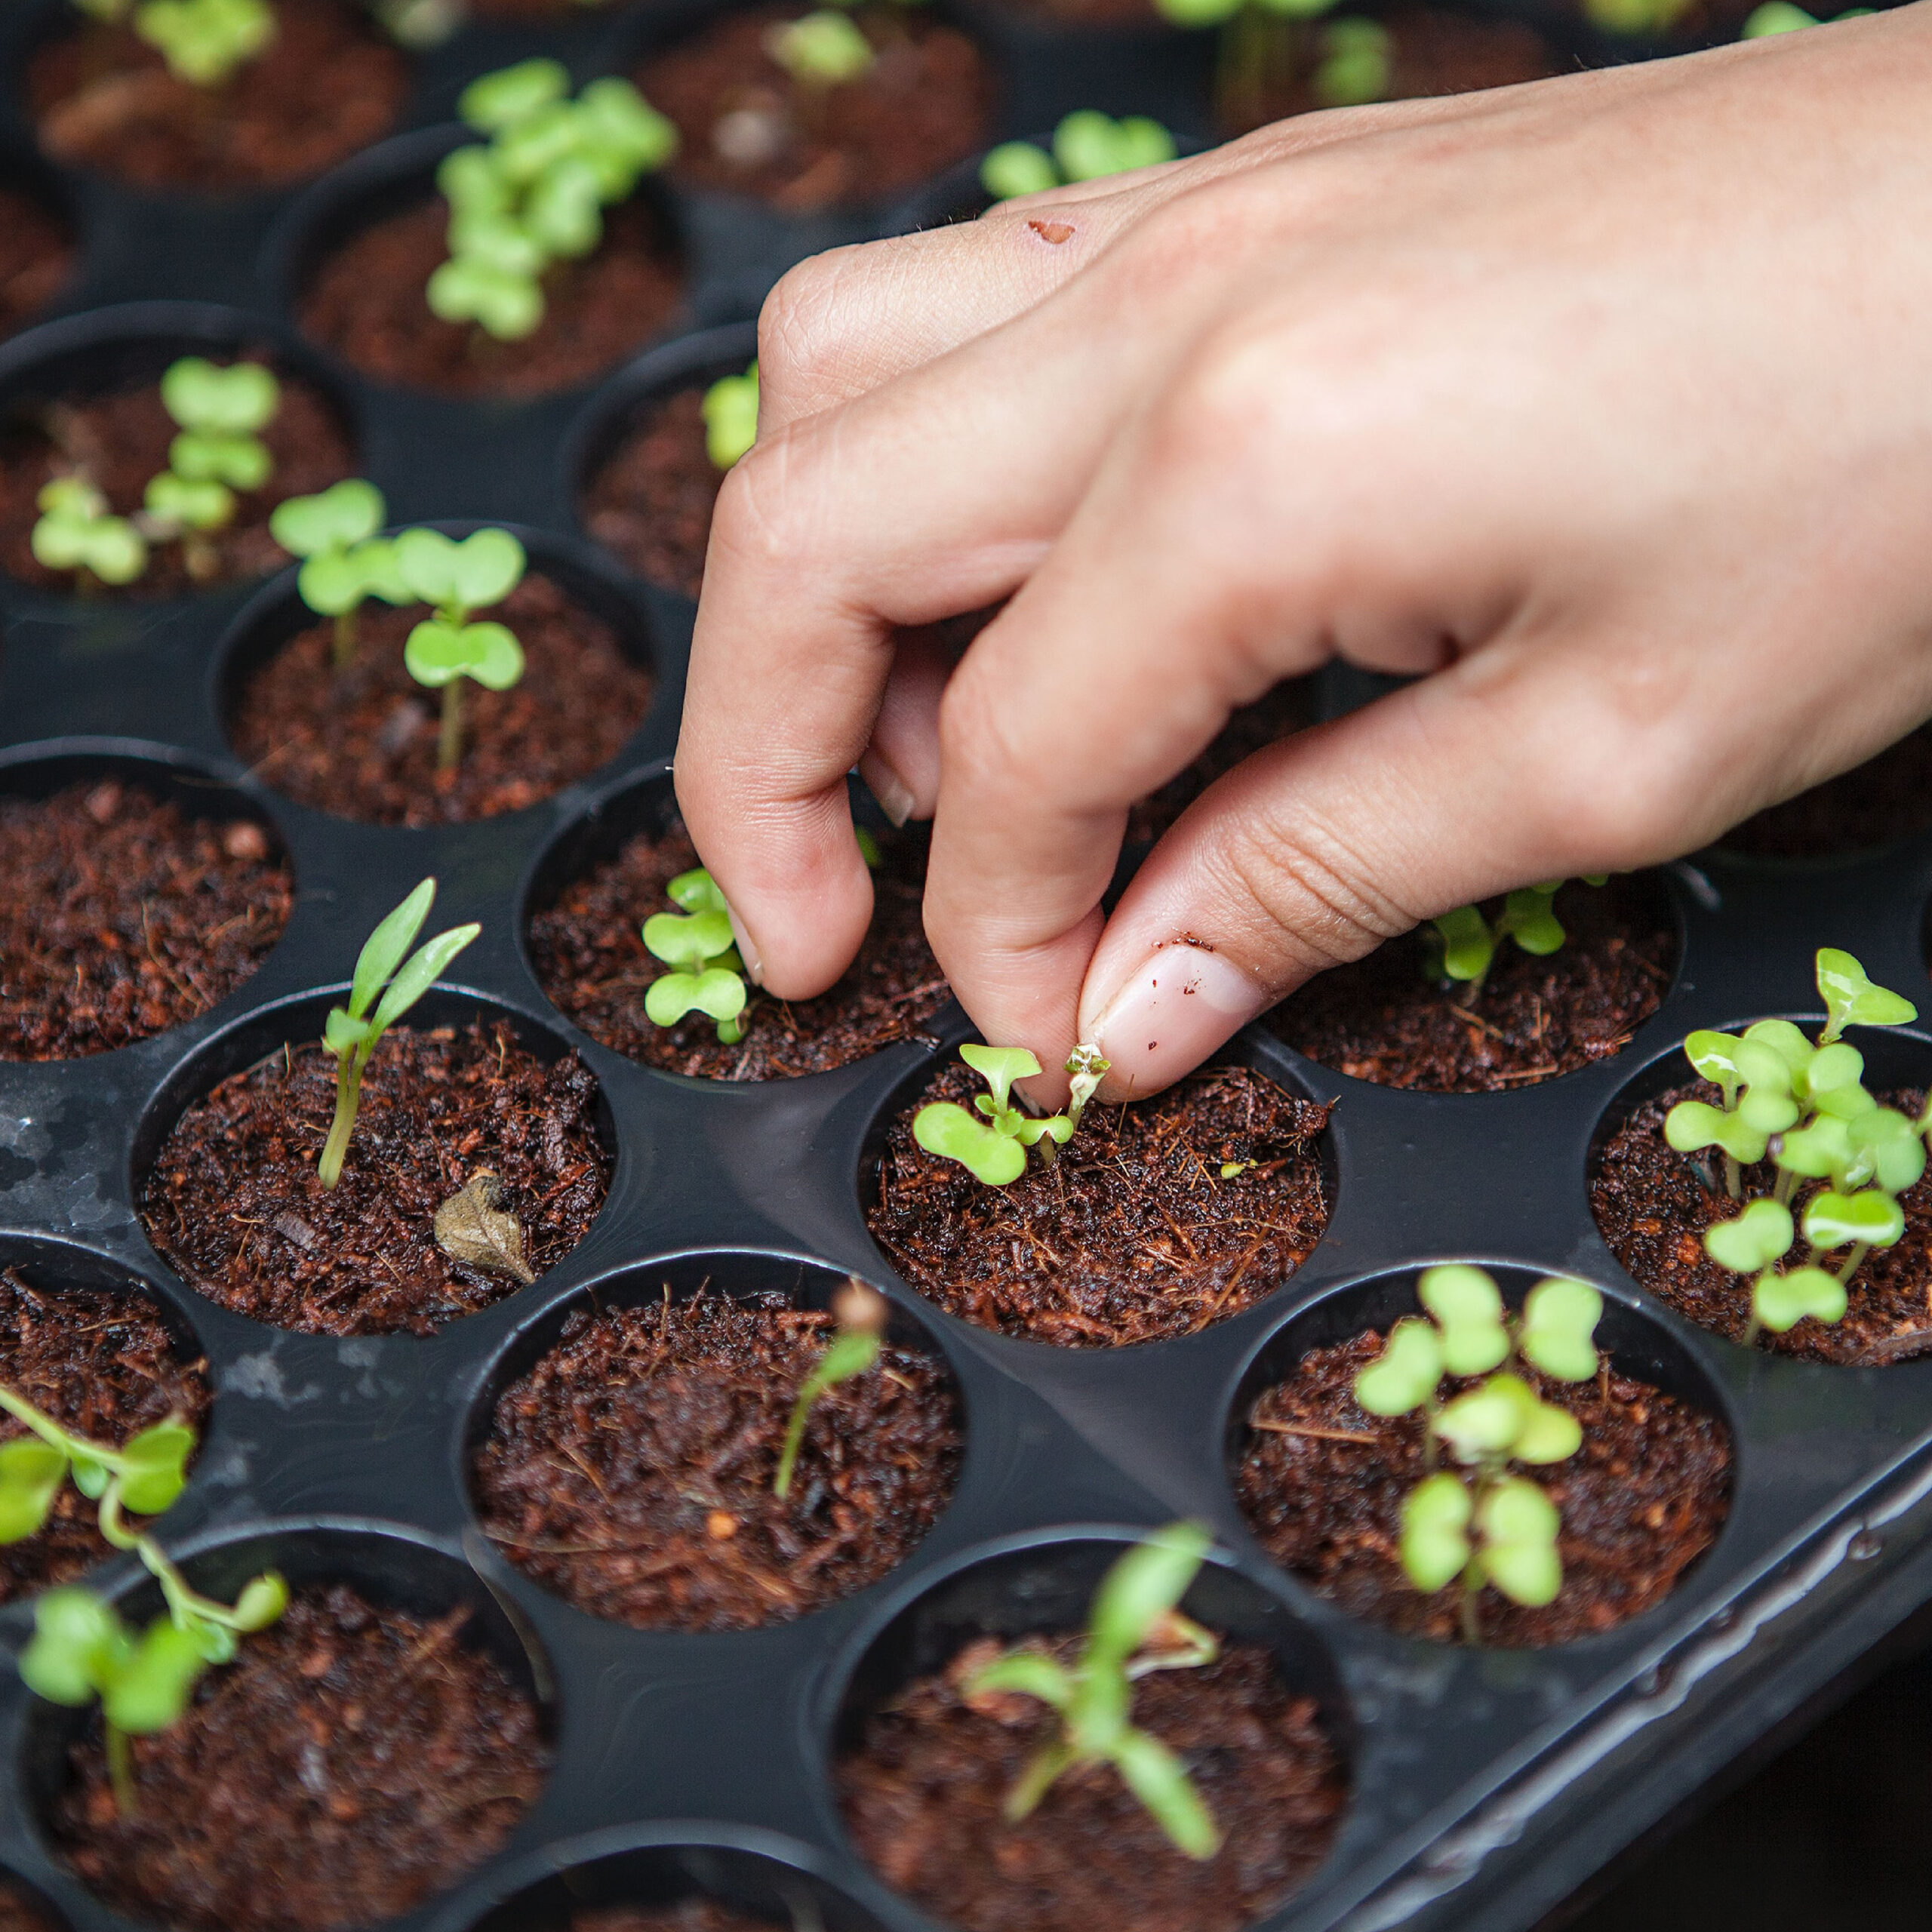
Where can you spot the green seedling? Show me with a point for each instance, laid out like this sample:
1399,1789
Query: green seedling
353,1032
75,532
730,417
820,51
458,579
1357,63
345,562
146,1473
861,1314
1465,943
1134,1627
536,194
205,42
1777,16
1087,146
1482,1523
216,452
707,976
991,1141
1266,46
1646,16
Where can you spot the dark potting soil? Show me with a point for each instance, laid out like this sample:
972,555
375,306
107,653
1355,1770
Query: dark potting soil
35,253
1652,1206
1387,1018
631,1470
922,1794
18,1915
232,1200
1887,796
351,1762
589,954
104,1366
329,84
926,103
1134,1234
120,916
119,443
1322,1484
363,745
1434,53
687,1916
651,502
1286,709
366,302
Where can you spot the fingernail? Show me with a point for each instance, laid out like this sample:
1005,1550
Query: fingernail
1170,1015
894,795
748,953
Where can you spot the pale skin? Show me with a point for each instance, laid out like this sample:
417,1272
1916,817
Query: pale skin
1606,401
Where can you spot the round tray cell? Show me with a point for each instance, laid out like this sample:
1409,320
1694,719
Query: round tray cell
81,399
920,1776
639,472
362,743
1322,1483
37,244
1157,1220
105,1354
1652,1206
606,875
1387,1019
625,1452
464,1097
102,99
135,894
1887,798
356,1759
357,252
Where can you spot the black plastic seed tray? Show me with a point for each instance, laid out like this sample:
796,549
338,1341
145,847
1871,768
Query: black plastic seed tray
1485,1785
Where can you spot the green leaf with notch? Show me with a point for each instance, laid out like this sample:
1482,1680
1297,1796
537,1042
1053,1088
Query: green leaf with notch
1468,1308
1753,1239
1560,1318
1404,1375
1519,1525
1780,1302
1852,1000
435,652
1870,1219
1434,1543
946,1129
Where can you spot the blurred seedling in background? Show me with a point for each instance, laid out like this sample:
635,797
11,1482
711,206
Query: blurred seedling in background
205,42
991,1141
820,51
730,417
1647,17
1268,45
1463,943
861,1314
76,533
353,1032
1134,1627
458,579
1777,16
216,452
536,195
1481,1521
345,562
707,975
1087,146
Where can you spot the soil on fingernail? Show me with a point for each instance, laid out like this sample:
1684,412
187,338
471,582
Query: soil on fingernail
1322,1484
36,252
923,1791
1389,1019
651,504
233,1203
1887,796
1135,1234
926,103
352,1762
102,1365
1287,709
588,951
1653,1204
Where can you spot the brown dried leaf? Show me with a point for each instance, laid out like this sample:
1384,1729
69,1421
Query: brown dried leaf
473,1227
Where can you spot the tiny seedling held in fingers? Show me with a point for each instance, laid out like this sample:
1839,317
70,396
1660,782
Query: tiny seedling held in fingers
353,1031
1465,943
730,417
861,1314
216,452
1087,146
76,533
1134,1626
990,1140
458,579
707,976
344,561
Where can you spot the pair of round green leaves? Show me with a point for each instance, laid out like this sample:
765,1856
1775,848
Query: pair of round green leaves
1087,146
204,41
151,1467
1507,1537
991,1141
458,578
698,943
824,49
75,532
1753,1242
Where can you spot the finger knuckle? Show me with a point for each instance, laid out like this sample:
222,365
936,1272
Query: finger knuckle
804,326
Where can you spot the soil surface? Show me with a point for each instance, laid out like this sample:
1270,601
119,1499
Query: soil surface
119,443
1134,1234
1653,1205
631,1471
687,1916
349,1763
1389,1019
1435,53
36,252
1286,709
329,84
233,1202
923,1792
651,502
926,102
1888,797
363,745
120,916
103,1365
1322,1484
588,953
366,302
18,1915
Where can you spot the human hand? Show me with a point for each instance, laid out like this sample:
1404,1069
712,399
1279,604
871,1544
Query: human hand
1601,400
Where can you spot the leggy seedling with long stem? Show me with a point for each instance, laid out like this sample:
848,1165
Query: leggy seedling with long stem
458,580
861,1314
1134,1626
991,1142
345,562
353,1031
